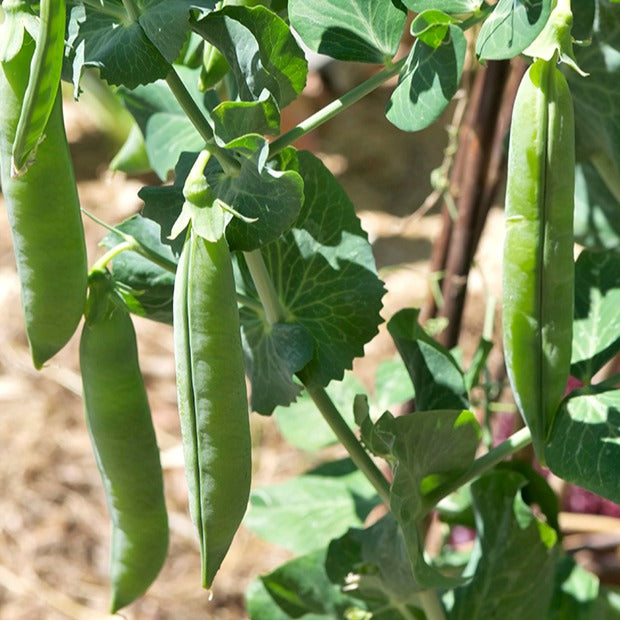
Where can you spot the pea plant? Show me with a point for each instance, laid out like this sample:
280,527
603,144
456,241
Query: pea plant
251,250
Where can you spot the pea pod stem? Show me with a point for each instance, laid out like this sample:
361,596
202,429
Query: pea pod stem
335,107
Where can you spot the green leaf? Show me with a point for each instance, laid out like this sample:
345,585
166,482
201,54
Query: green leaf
373,564
299,589
447,6
272,355
584,445
515,556
325,277
126,51
392,384
304,427
121,51
576,592
163,204
357,30
513,25
431,27
428,82
597,211
430,448
439,382
166,128
273,198
233,119
146,288
306,512
597,312
166,23
260,50
597,132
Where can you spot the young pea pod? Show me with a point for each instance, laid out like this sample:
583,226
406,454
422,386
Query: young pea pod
43,207
538,276
123,438
212,395
43,83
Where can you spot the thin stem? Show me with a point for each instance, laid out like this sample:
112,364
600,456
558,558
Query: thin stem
102,262
105,8
189,106
132,10
431,605
199,121
514,443
267,293
335,107
348,439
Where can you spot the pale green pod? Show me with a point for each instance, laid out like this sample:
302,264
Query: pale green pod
538,278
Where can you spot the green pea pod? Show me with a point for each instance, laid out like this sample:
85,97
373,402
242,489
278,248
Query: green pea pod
538,276
43,209
212,396
43,82
121,431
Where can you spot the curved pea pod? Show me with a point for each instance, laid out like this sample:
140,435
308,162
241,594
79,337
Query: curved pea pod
44,214
212,395
538,278
120,427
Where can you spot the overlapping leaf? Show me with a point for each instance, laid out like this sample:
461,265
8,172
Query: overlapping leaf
597,312
359,30
260,50
428,448
325,276
515,556
428,82
130,50
439,382
584,446
299,589
373,565
166,128
146,287
512,26
597,132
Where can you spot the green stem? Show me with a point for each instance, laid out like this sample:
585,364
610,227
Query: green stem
335,107
348,439
199,121
132,10
105,8
431,605
514,443
274,312
102,262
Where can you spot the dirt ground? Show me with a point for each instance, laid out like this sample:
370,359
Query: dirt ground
54,529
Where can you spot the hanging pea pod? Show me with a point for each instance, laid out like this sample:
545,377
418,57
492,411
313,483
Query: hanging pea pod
538,252
121,430
211,387
42,204
43,84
